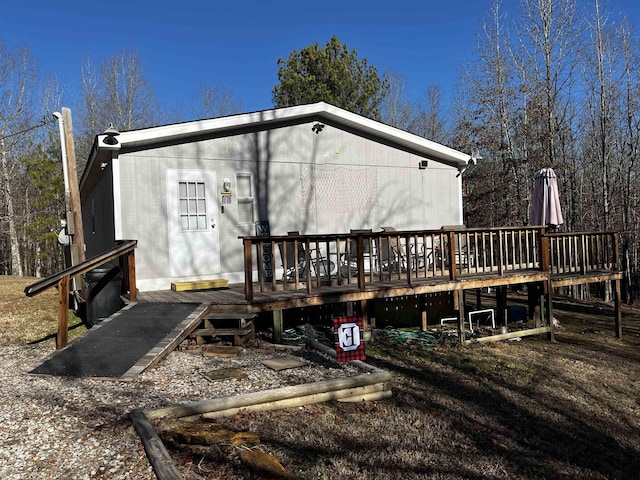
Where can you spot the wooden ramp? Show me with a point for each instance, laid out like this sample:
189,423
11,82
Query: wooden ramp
127,343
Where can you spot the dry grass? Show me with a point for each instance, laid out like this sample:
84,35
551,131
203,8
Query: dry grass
509,410
528,409
25,319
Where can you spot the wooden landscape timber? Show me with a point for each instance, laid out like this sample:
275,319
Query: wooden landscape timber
509,335
157,453
375,384
339,388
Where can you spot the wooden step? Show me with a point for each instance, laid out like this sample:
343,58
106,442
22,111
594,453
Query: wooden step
230,316
237,325
221,332
199,285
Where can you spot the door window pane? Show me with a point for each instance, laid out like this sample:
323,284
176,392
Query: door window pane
193,206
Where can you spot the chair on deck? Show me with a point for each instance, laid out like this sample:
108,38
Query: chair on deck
349,261
440,253
292,259
392,254
316,260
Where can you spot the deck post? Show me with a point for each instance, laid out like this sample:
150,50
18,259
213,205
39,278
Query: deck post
349,309
552,329
478,298
423,312
500,253
616,305
277,326
545,253
461,318
501,304
453,267
131,276
360,261
364,312
248,270
63,313
407,247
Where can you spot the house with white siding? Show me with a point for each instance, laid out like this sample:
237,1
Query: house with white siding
186,192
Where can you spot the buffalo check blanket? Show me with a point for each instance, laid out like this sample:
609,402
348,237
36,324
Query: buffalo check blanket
349,338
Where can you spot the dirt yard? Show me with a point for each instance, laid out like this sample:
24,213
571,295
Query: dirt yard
509,410
516,409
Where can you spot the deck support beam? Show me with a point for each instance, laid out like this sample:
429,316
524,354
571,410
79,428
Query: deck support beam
552,333
63,313
423,312
616,306
501,304
461,319
277,326
364,312
131,276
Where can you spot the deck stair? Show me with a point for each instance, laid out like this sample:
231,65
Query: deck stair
239,326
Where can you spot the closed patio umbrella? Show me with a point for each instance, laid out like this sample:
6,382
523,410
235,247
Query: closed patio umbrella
545,204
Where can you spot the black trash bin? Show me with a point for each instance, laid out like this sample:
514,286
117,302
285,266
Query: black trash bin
104,285
517,313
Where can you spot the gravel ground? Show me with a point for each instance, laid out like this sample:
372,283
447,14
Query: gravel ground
70,428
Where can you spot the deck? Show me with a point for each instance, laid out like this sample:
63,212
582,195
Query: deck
294,271
233,299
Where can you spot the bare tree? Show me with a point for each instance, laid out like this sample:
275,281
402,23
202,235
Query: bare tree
216,101
130,101
602,79
630,125
429,119
550,38
18,79
397,110
492,114
116,93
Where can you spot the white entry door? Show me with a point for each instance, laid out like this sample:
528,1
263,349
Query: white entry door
194,248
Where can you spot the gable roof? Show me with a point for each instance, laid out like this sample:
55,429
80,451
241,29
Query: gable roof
321,111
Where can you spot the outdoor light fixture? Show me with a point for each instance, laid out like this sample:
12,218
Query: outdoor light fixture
317,128
473,160
111,134
423,164
475,156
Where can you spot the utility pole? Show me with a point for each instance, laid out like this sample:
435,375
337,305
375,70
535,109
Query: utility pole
74,216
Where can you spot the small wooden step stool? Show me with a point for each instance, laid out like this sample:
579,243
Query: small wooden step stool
240,326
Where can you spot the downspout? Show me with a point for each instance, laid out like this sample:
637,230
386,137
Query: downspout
65,172
473,160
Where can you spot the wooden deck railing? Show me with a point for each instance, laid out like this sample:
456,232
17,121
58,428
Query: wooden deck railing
583,252
308,262
63,279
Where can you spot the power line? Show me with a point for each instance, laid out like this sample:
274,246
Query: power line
42,123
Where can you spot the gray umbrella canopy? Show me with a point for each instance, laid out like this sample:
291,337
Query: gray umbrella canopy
545,204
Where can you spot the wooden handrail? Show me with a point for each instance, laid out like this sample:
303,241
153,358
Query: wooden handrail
62,281
94,262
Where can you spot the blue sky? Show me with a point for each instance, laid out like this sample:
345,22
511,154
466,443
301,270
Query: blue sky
184,45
